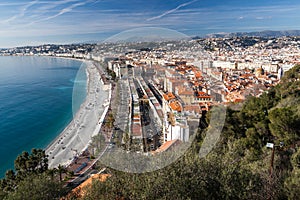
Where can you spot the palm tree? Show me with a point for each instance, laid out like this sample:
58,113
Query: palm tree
61,169
20,162
9,181
39,159
52,172
10,175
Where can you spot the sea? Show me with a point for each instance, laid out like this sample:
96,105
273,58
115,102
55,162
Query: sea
36,102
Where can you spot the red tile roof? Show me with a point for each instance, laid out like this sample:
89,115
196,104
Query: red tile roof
176,106
81,190
169,96
167,145
201,94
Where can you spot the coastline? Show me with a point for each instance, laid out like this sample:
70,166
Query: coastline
70,123
86,123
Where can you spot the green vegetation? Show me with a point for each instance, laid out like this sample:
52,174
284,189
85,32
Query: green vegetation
239,167
37,187
110,120
31,179
111,74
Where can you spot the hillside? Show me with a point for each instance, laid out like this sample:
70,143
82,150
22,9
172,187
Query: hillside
266,33
239,167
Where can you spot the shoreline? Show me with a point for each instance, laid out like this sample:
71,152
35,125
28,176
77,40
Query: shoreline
86,123
69,124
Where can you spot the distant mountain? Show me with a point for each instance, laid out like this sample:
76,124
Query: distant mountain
267,33
90,42
146,38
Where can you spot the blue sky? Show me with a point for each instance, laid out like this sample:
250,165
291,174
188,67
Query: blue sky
32,22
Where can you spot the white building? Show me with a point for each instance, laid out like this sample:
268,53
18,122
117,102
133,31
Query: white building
174,125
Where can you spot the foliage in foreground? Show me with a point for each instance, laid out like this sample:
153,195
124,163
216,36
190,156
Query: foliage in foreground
31,179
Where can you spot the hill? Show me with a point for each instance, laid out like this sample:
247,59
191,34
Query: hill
266,33
239,167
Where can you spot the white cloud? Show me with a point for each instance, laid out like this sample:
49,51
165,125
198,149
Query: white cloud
62,11
12,4
263,18
171,11
21,13
52,17
53,4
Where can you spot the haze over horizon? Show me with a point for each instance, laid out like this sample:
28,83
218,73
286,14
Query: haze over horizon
34,22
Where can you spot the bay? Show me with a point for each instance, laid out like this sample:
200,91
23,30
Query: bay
35,102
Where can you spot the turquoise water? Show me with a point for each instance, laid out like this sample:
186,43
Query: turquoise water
35,102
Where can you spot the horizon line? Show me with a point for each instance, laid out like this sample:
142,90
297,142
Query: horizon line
208,35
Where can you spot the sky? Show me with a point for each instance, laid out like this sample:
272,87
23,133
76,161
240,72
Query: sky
35,22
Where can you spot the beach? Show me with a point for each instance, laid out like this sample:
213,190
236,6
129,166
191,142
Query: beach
76,137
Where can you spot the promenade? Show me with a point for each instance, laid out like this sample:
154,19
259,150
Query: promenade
85,124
